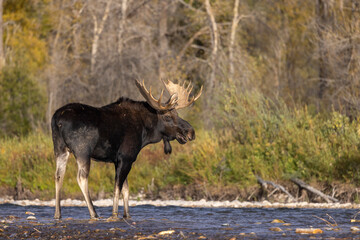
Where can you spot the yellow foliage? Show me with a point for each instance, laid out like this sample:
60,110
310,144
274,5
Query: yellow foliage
24,44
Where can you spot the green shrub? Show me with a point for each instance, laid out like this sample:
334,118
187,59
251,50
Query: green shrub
279,142
23,103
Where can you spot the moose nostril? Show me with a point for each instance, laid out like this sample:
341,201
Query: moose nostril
191,136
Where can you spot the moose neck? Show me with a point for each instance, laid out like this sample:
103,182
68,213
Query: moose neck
143,115
151,126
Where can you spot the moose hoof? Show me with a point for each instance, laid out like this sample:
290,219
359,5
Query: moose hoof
113,218
127,217
95,217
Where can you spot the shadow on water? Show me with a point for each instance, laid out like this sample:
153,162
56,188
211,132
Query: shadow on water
188,223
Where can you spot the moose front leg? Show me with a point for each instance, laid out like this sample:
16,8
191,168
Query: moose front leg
122,170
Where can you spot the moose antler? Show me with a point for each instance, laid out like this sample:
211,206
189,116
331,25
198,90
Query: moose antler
182,93
156,104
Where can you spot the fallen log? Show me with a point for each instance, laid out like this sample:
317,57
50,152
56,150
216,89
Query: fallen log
264,184
303,185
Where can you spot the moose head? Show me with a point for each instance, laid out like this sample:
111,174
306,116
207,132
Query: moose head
170,124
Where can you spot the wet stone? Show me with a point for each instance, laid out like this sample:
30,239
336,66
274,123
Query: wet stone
277,221
308,230
275,229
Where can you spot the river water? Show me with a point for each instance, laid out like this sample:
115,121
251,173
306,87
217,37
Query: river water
150,222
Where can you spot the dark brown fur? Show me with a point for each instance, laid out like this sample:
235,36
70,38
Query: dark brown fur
113,133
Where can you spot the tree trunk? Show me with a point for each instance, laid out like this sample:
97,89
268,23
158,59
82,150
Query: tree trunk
215,44
323,21
97,32
2,54
234,24
353,65
163,41
122,26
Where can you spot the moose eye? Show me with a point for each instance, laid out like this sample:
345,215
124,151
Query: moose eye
168,118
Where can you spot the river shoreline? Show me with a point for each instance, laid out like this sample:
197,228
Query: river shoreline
179,219
183,203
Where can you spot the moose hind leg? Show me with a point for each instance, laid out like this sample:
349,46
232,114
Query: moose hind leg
61,161
82,178
125,194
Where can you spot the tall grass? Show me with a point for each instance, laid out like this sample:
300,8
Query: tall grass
253,136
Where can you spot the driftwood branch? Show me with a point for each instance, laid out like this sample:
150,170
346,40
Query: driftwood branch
307,187
264,184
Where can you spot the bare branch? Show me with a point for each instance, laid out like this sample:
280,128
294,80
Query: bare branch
134,10
203,30
189,6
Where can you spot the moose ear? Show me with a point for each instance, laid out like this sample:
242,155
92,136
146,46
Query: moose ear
167,147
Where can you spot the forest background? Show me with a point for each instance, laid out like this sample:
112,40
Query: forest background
281,98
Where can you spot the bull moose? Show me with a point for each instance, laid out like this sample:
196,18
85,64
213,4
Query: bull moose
116,133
